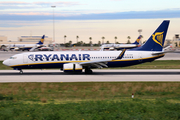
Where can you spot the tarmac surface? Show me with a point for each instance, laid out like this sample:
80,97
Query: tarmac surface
106,75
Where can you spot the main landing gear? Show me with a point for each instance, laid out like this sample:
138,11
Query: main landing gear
88,70
20,71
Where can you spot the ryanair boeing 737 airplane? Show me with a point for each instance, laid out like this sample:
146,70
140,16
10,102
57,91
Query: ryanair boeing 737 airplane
76,61
28,47
122,45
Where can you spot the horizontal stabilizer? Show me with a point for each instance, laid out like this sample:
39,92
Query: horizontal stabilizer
159,53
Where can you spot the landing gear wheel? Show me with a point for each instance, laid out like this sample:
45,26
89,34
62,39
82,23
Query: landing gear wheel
88,71
21,72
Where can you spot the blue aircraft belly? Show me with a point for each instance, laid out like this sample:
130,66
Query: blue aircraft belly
40,66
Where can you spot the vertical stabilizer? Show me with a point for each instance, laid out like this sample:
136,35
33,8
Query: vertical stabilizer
137,40
41,41
156,40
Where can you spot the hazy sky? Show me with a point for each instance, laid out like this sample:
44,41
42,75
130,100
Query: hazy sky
87,18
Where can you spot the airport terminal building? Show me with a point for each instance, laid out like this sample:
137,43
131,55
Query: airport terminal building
34,39
3,39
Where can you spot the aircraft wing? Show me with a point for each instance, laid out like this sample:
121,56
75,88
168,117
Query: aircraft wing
98,64
33,48
102,63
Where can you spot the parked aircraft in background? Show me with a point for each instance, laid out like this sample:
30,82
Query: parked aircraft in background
76,61
26,47
122,45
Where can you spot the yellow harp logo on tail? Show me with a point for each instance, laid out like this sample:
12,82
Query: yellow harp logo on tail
138,40
42,40
158,37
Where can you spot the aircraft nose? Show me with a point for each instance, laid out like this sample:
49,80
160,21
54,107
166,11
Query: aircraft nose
5,62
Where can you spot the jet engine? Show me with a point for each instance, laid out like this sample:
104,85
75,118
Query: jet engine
72,67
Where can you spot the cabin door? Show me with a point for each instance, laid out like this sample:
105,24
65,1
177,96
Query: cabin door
25,58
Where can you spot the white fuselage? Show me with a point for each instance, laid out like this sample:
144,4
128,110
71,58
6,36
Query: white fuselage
59,57
22,45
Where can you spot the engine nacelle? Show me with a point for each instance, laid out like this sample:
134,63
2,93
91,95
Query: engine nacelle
72,67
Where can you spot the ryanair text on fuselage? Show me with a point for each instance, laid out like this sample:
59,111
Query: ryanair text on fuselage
65,57
59,57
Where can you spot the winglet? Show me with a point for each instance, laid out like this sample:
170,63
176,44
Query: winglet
121,54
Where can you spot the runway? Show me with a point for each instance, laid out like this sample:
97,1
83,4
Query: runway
105,75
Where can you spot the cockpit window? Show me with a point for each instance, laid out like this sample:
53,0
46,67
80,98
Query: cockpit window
13,57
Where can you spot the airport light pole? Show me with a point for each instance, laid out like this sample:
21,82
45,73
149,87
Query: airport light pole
115,39
140,30
53,24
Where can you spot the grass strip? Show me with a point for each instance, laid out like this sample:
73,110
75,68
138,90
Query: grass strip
4,67
44,92
87,101
158,109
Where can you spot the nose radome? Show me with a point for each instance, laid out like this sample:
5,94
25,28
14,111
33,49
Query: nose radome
5,62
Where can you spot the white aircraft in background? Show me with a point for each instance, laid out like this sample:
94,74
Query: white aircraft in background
76,61
26,47
122,45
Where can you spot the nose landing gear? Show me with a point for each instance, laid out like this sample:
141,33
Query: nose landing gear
20,70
